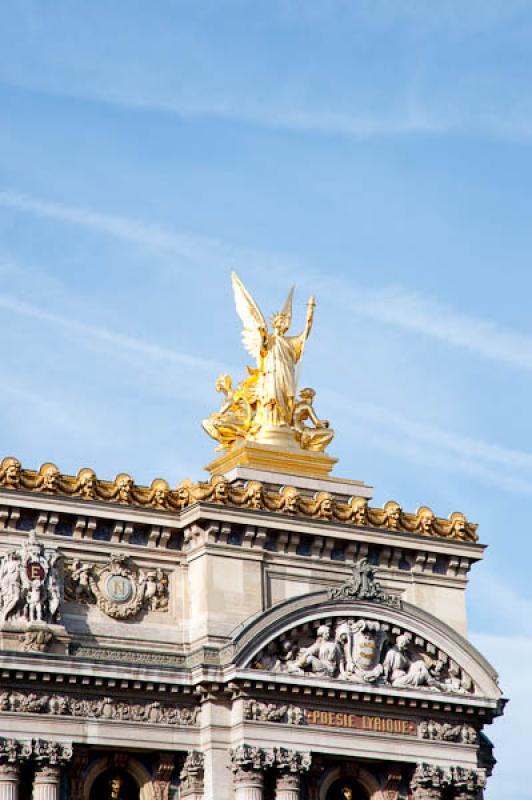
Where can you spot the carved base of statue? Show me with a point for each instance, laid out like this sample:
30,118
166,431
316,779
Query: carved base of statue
284,457
36,637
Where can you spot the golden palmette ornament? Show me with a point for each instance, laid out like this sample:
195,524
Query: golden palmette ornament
264,407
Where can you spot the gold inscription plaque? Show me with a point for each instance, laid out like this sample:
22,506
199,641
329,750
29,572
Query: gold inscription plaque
338,719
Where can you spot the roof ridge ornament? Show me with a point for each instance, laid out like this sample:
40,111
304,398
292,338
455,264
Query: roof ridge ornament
363,586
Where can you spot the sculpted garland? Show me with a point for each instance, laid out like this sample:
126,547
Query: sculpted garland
159,496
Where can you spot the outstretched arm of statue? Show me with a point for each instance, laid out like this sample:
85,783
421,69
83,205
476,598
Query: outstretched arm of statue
311,305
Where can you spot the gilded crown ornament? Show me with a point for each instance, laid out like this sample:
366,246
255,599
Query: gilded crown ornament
265,407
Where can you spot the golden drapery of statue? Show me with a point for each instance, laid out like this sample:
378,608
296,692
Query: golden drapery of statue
264,407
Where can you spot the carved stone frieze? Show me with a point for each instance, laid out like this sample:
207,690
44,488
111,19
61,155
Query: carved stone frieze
363,586
118,587
128,656
446,732
272,712
289,500
31,584
97,708
363,651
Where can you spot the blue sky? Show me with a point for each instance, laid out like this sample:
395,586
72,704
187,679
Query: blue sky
377,153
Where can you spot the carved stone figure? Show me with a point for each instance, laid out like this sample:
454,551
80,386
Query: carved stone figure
31,588
400,669
321,658
361,650
118,587
159,494
86,484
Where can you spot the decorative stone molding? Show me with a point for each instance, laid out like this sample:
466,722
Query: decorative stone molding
12,751
127,656
363,651
31,584
246,758
64,705
272,712
466,783
191,774
363,586
289,500
51,753
291,761
445,732
118,587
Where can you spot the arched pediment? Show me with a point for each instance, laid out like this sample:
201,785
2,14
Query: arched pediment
364,642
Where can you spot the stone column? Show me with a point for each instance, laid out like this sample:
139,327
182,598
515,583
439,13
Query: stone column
49,757
248,771
9,781
467,783
47,783
191,776
290,766
428,782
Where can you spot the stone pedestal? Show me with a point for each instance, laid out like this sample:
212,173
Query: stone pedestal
287,786
46,783
9,781
249,784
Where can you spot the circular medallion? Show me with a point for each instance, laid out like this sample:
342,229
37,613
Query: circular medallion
118,588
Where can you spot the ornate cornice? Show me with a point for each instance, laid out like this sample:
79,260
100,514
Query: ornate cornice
86,486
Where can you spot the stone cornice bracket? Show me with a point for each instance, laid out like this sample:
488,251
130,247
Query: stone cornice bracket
191,775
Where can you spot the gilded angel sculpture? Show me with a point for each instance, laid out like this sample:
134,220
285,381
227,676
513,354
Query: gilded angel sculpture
264,405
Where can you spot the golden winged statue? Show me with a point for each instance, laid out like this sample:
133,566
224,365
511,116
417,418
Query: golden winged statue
264,407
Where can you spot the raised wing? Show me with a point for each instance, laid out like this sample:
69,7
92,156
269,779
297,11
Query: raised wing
252,320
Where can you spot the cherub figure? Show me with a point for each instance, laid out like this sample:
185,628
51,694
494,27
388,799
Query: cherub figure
318,437
233,420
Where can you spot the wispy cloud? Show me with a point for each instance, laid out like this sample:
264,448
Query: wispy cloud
116,339
392,306
412,441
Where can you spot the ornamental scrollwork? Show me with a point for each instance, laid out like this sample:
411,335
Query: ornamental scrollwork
255,495
363,586
118,587
105,708
31,584
363,651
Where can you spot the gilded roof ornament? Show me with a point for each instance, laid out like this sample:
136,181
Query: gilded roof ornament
255,495
265,406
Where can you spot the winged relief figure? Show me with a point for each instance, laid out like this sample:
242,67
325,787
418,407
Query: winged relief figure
266,400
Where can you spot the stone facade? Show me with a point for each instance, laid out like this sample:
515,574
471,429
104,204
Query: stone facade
226,648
